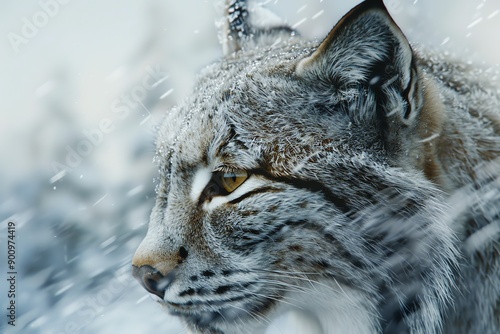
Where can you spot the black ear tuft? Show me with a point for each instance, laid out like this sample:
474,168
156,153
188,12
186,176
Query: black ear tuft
250,25
236,25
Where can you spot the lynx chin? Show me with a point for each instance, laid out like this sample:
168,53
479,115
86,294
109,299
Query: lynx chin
354,181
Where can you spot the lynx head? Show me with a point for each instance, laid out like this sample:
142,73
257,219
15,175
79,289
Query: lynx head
293,177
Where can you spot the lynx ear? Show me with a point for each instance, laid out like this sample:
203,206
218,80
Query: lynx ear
367,48
250,26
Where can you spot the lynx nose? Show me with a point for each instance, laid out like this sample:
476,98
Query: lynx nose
156,271
150,279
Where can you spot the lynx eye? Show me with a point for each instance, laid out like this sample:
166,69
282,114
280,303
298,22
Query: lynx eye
224,182
230,181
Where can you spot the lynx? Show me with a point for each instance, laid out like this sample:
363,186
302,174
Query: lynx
354,180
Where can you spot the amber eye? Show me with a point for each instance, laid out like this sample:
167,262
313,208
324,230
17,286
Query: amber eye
230,181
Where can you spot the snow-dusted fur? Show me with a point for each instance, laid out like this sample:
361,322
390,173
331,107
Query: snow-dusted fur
373,192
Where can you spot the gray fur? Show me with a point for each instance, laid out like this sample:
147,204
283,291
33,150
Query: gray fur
378,180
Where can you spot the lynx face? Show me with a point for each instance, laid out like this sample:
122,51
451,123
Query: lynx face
293,179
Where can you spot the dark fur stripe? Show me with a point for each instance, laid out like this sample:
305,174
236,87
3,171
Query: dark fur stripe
252,193
313,186
213,302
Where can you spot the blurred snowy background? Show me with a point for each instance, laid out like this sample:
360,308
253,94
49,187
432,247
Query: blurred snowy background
83,85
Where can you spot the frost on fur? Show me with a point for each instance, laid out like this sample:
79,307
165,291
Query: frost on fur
351,180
